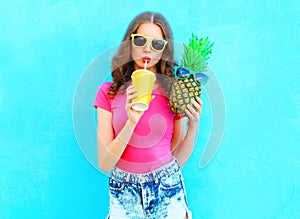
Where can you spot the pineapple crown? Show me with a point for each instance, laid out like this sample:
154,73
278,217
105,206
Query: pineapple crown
196,54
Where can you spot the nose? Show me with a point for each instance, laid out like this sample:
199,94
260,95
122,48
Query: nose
147,47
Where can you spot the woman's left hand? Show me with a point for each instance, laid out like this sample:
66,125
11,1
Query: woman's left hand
193,112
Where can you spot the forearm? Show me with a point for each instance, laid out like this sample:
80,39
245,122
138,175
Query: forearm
183,151
109,154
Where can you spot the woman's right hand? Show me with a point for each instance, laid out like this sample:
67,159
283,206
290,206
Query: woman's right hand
133,115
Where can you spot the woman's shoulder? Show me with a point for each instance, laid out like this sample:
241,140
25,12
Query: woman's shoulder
105,87
102,99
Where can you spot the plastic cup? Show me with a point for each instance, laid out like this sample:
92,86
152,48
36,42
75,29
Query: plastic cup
142,80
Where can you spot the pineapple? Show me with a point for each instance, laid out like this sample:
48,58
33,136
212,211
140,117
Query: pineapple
194,59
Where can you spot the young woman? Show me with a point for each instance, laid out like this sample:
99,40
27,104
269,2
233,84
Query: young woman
144,150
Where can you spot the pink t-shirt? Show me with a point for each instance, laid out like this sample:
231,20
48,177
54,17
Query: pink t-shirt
150,145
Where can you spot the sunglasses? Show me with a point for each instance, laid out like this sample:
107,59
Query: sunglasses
183,73
157,45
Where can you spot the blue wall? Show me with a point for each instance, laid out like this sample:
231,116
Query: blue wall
45,46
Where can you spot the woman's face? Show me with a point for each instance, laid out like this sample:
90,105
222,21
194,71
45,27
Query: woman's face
138,53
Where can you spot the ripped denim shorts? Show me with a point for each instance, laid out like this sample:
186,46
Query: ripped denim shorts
159,194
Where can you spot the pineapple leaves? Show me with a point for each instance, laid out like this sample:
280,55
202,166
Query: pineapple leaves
196,54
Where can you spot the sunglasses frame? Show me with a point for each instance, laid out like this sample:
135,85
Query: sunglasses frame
148,39
190,73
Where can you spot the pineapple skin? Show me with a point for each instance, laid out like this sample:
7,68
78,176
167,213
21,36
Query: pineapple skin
194,58
183,91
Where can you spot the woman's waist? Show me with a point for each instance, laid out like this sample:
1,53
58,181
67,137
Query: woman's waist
151,171
143,164
140,154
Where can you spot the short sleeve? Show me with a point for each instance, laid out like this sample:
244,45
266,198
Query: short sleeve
102,100
177,117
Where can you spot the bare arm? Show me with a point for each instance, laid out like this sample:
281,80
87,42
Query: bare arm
183,140
110,148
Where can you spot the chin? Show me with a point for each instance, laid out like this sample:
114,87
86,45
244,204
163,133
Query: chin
142,65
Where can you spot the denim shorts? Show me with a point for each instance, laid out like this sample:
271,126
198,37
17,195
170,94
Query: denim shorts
159,194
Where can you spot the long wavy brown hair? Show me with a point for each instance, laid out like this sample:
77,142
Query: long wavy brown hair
123,64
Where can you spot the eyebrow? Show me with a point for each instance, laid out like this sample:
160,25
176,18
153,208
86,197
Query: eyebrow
157,38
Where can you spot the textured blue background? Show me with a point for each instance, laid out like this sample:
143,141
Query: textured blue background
45,46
